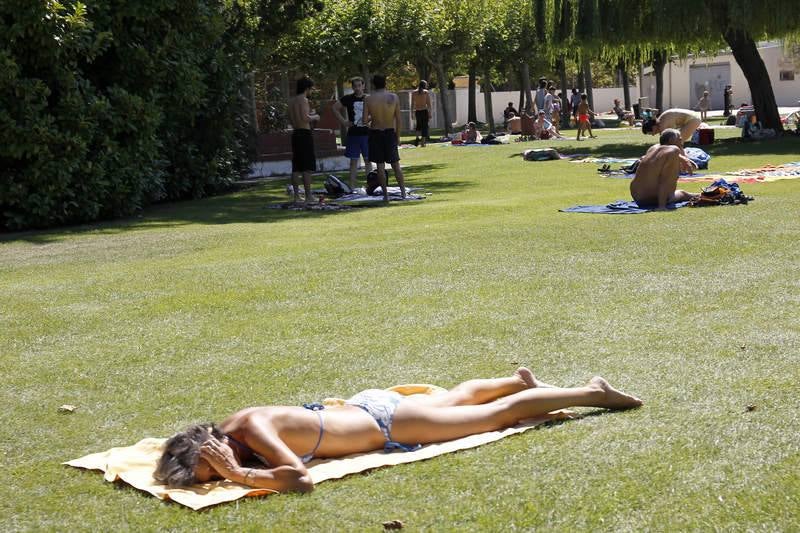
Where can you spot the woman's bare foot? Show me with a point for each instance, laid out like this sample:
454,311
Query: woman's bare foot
529,379
614,399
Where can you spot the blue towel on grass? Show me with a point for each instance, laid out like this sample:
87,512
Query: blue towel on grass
620,207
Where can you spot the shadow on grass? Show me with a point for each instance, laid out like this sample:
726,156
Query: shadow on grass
587,414
249,204
787,144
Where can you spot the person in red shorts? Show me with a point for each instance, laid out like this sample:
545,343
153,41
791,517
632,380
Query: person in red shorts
584,116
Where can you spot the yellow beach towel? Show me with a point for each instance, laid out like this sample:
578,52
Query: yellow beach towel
135,464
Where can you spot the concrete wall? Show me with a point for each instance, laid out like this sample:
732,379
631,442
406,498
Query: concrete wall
678,90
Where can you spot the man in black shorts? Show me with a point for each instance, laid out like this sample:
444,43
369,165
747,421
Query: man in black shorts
356,144
384,135
421,102
303,160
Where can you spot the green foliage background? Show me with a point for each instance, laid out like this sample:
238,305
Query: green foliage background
108,107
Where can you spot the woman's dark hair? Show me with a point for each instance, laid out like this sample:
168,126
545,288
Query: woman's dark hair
422,86
647,125
379,81
304,83
181,453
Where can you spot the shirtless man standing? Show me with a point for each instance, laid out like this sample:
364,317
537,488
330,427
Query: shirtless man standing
303,160
421,103
656,179
384,135
681,119
272,439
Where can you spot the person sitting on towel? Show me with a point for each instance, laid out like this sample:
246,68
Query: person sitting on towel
656,179
281,439
543,129
509,112
472,135
681,119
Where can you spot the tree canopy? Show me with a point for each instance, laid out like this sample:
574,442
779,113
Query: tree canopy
112,105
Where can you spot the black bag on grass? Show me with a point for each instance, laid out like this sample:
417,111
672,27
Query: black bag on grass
336,187
373,184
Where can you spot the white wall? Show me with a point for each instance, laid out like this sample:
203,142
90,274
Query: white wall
677,83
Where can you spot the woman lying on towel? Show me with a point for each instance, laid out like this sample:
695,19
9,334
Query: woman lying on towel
284,438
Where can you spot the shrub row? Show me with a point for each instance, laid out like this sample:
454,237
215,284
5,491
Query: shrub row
107,108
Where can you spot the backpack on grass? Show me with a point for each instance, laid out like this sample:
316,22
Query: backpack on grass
336,187
373,184
720,193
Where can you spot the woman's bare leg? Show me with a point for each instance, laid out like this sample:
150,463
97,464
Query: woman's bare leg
478,391
418,422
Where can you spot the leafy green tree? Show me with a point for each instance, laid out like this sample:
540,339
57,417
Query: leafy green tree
447,31
684,26
107,107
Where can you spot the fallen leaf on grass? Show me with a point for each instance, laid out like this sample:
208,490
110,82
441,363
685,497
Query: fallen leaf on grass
750,407
393,524
66,408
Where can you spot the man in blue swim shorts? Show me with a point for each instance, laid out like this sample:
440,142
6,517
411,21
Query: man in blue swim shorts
281,439
356,143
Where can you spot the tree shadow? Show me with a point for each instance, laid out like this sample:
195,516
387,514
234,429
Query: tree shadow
251,202
787,144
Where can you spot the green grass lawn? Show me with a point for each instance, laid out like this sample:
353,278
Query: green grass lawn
197,309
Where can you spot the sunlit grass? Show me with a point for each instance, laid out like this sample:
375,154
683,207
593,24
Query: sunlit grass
196,309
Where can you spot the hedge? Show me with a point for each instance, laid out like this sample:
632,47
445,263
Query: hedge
107,108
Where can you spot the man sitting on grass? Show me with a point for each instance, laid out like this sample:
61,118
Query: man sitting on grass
656,178
371,420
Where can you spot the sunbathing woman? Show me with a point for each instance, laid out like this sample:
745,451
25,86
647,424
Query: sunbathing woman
284,438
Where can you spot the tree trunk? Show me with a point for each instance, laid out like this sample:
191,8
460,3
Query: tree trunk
581,80
745,52
587,75
525,74
252,107
339,94
566,110
659,61
441,80
366,76
472,114
626,87
486,82
423,69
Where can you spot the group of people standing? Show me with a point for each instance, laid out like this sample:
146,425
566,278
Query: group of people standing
373,132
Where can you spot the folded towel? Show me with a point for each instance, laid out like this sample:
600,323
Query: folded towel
620,207
135,464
